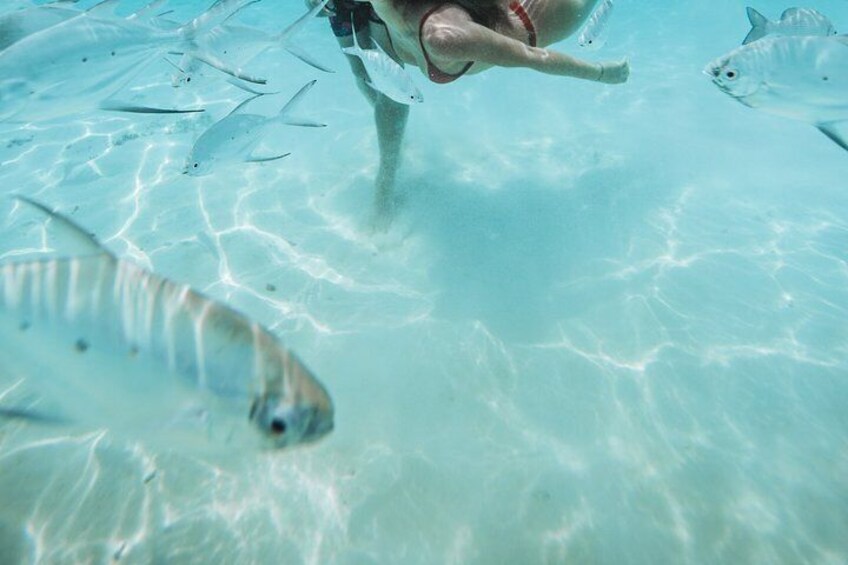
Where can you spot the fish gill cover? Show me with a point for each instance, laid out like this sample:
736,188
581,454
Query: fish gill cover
607,325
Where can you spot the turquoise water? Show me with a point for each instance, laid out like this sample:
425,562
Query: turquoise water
608,325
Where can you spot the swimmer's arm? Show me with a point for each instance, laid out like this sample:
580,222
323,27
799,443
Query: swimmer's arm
474,42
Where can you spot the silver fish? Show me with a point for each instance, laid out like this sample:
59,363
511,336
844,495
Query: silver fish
793,21
233,138
99,342
75,65
594,33
385,75
241,44
800,77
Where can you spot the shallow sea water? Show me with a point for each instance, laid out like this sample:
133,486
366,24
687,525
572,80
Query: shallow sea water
608,325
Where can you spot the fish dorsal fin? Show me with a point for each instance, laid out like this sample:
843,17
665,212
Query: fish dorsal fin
70,230
243,104
285,112
104,8
789,13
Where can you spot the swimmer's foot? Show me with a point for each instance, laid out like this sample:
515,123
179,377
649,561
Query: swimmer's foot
383,215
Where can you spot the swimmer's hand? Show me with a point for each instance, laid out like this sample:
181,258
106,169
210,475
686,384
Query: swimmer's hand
613,73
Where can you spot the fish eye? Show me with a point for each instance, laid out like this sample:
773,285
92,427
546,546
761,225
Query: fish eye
195,165
730,74
278,426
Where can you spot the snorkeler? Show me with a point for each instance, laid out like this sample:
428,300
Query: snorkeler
447,39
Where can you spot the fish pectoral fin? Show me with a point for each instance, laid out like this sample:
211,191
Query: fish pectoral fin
253,159
302,122
830,130
116,106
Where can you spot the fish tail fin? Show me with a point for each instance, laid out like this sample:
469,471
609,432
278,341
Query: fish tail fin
285,36
285,116
759,26
85,240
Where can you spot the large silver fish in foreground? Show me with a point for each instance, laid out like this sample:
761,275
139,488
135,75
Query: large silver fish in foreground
97,342
803,78
78,64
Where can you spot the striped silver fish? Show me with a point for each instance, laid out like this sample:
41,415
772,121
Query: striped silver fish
385,75
97,342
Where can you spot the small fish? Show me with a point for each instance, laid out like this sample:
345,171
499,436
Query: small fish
233,138
104,343
793,21
241,44
385,75
594,34
800,77
76,65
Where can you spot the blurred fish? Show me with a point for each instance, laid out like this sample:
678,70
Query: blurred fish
102,343
233,138
18,24
793,21
78,64
385,75
803,78
594,34
241,44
